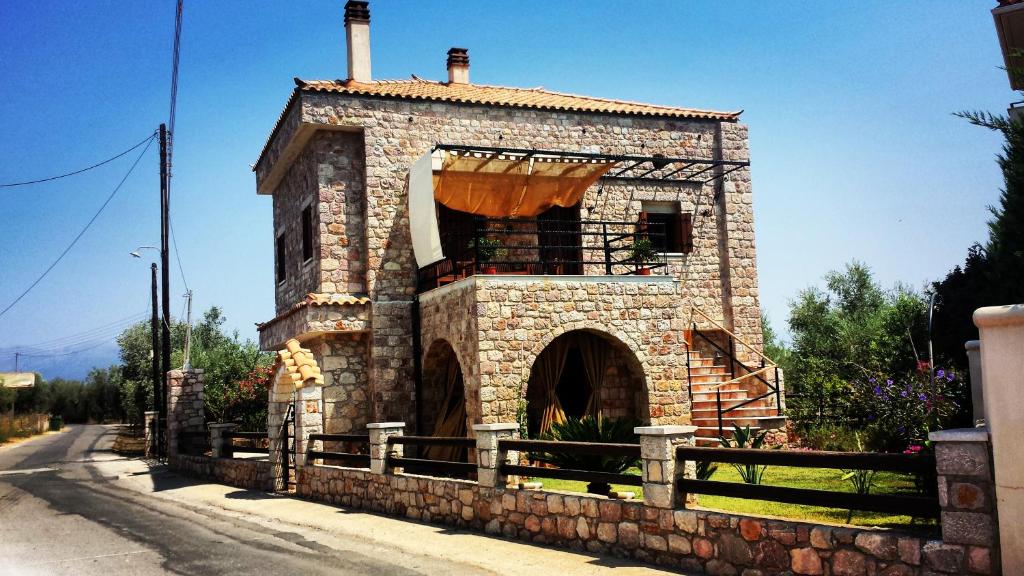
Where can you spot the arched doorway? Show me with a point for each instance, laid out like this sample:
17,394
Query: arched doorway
585,373
444,401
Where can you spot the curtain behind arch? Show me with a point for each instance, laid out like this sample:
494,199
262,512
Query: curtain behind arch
595,352
548,371
451,421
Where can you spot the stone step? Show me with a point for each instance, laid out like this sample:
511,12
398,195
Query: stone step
755,422
711,412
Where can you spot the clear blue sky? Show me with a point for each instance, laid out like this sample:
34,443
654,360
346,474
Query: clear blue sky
854,151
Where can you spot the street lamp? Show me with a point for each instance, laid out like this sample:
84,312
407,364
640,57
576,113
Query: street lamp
136,253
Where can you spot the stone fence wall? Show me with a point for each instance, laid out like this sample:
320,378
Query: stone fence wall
660,529
247,474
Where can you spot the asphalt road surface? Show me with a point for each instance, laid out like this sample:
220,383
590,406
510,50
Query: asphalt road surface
69,505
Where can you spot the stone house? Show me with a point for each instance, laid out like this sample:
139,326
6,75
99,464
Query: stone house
454,253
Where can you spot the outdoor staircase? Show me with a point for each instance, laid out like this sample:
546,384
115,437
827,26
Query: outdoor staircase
707,373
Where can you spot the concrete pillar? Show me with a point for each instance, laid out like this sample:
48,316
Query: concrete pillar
659,465
149,422
218,444
489,456
1002,367
185,410
967,495
973,348
379,433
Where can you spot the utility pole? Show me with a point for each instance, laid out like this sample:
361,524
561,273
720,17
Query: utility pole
188,334
165,279
16,358
154,325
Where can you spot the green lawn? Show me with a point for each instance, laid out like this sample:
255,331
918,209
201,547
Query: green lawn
820,479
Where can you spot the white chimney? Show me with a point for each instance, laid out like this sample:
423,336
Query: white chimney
357,37
458,66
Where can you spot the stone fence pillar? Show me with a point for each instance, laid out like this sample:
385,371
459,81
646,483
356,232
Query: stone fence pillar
184,405
1002,368
309,419
660,468
149,423
973,348
218,444
379,433
489,457
967,500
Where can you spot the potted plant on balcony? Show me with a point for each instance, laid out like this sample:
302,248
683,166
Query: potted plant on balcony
486,250
640,253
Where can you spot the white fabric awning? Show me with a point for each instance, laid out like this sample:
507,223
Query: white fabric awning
426,240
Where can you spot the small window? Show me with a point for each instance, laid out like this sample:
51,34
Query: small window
670,230
307,234
281,275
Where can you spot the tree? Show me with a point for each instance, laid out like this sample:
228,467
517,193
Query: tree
993,273
852,330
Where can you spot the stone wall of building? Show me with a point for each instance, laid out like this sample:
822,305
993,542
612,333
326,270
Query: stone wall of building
692,540
298,189
344,360
498,325
342,207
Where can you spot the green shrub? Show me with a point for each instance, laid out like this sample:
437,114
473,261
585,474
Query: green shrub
593,430
745,438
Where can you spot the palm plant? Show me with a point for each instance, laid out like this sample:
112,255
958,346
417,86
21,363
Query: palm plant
592,430
746,438
862,480
706,469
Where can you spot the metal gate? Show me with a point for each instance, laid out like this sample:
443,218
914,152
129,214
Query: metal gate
288,448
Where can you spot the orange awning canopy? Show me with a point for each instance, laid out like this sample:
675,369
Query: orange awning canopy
499,185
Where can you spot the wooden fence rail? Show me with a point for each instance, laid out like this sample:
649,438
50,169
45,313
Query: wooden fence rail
913,505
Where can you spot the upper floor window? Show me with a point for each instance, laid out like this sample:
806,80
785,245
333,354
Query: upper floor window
307,233
674,228
281,269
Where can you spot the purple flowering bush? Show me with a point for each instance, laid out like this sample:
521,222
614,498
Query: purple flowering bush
899,412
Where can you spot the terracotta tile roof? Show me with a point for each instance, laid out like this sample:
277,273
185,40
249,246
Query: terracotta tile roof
539,98
298,365
312,299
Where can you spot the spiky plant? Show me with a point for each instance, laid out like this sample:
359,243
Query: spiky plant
592,430
745,438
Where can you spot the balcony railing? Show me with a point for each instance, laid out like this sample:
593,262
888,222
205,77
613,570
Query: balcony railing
545,247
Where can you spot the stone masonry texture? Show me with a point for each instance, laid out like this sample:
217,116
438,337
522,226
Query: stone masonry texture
350,157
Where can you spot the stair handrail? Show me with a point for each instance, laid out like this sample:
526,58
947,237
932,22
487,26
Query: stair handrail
734,336
717,385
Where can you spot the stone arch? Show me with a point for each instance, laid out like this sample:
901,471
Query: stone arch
556,331
444,405
623,393
298,382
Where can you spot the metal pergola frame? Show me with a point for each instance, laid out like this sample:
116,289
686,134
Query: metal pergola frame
660,169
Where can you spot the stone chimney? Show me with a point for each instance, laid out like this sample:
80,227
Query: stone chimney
458,66
357,37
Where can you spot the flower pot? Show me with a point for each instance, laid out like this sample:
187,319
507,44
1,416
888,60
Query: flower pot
489,269
644,271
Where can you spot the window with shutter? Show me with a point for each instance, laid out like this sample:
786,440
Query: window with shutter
670,230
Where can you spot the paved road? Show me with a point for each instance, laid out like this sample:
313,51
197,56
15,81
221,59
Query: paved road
68,505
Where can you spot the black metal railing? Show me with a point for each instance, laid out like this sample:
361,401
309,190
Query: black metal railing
913,505
544,247
349,457
581,448
253,443
770,383
418,465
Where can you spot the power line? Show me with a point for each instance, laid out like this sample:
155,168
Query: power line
177,254
170,122
80,234
107,161
84,336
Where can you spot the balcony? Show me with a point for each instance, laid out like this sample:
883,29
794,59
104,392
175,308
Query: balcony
543,246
